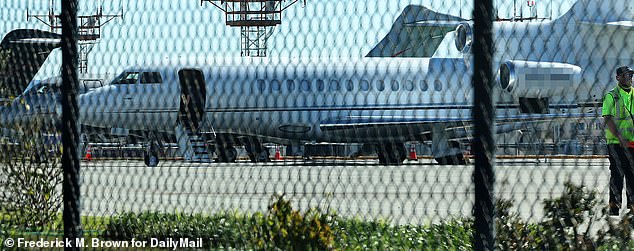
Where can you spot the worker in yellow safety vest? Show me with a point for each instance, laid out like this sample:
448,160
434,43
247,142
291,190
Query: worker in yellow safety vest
619,133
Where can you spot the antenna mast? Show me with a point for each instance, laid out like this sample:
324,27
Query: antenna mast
89,30
256,19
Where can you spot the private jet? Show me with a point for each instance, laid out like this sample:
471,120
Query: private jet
549,70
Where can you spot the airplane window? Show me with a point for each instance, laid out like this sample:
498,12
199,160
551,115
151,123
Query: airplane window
47,89
117,78
131,78
42,89
290,84
320,85
89,84
126,78
93,83
151,78
261,85
409,85
349,85
380,85
437,85
423,85
305,85
364,85
395,85
334,85
275,85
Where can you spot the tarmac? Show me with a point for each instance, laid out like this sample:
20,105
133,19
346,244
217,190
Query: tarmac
416,192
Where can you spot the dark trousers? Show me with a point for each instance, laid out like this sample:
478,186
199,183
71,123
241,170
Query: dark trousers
621,165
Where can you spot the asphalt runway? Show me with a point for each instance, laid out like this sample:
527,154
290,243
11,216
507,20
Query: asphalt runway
413,193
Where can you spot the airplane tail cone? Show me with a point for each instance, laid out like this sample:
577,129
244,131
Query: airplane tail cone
278,156
412,152
88,154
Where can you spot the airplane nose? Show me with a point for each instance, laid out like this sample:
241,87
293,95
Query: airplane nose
23,112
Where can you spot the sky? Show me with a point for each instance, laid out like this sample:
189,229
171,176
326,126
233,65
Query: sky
156,29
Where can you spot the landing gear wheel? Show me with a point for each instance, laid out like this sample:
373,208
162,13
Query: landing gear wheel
151,156
391,154
229,154
262,156
232,154
382,158
150,160
256,151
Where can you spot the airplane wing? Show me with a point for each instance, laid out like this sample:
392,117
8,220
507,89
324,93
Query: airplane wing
628,24
347,121
455,127
22,53
417,32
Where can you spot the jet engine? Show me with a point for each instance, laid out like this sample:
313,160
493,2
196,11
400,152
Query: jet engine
464,37
533,83
538,79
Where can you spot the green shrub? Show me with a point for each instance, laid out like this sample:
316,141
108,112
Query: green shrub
281,227
221,230
569,219
356,234
288,229
567,225
513,233
30,180
618,235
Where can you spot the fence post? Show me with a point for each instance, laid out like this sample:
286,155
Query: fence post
483,118
69,126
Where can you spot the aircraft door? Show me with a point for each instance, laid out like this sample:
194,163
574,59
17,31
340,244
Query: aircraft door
192,98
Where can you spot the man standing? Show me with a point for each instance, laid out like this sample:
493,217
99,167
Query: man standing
619,133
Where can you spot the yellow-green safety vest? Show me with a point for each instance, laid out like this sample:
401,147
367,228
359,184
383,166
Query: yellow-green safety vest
622,116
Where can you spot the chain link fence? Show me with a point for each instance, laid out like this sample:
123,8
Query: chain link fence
317,124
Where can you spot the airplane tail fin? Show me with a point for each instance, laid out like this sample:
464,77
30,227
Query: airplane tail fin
603,11
22,54
417,32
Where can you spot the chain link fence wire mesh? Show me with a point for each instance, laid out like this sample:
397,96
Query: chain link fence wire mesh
312,124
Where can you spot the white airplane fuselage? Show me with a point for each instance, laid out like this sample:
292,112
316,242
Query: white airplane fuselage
295,100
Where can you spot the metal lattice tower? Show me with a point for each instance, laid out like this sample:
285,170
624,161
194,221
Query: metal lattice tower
89,30
256,19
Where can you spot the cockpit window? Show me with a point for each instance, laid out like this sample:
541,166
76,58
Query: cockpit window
126,78
42,89
90,84
151,78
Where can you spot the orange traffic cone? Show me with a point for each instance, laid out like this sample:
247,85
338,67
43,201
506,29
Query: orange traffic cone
88,153
412,152
278,156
